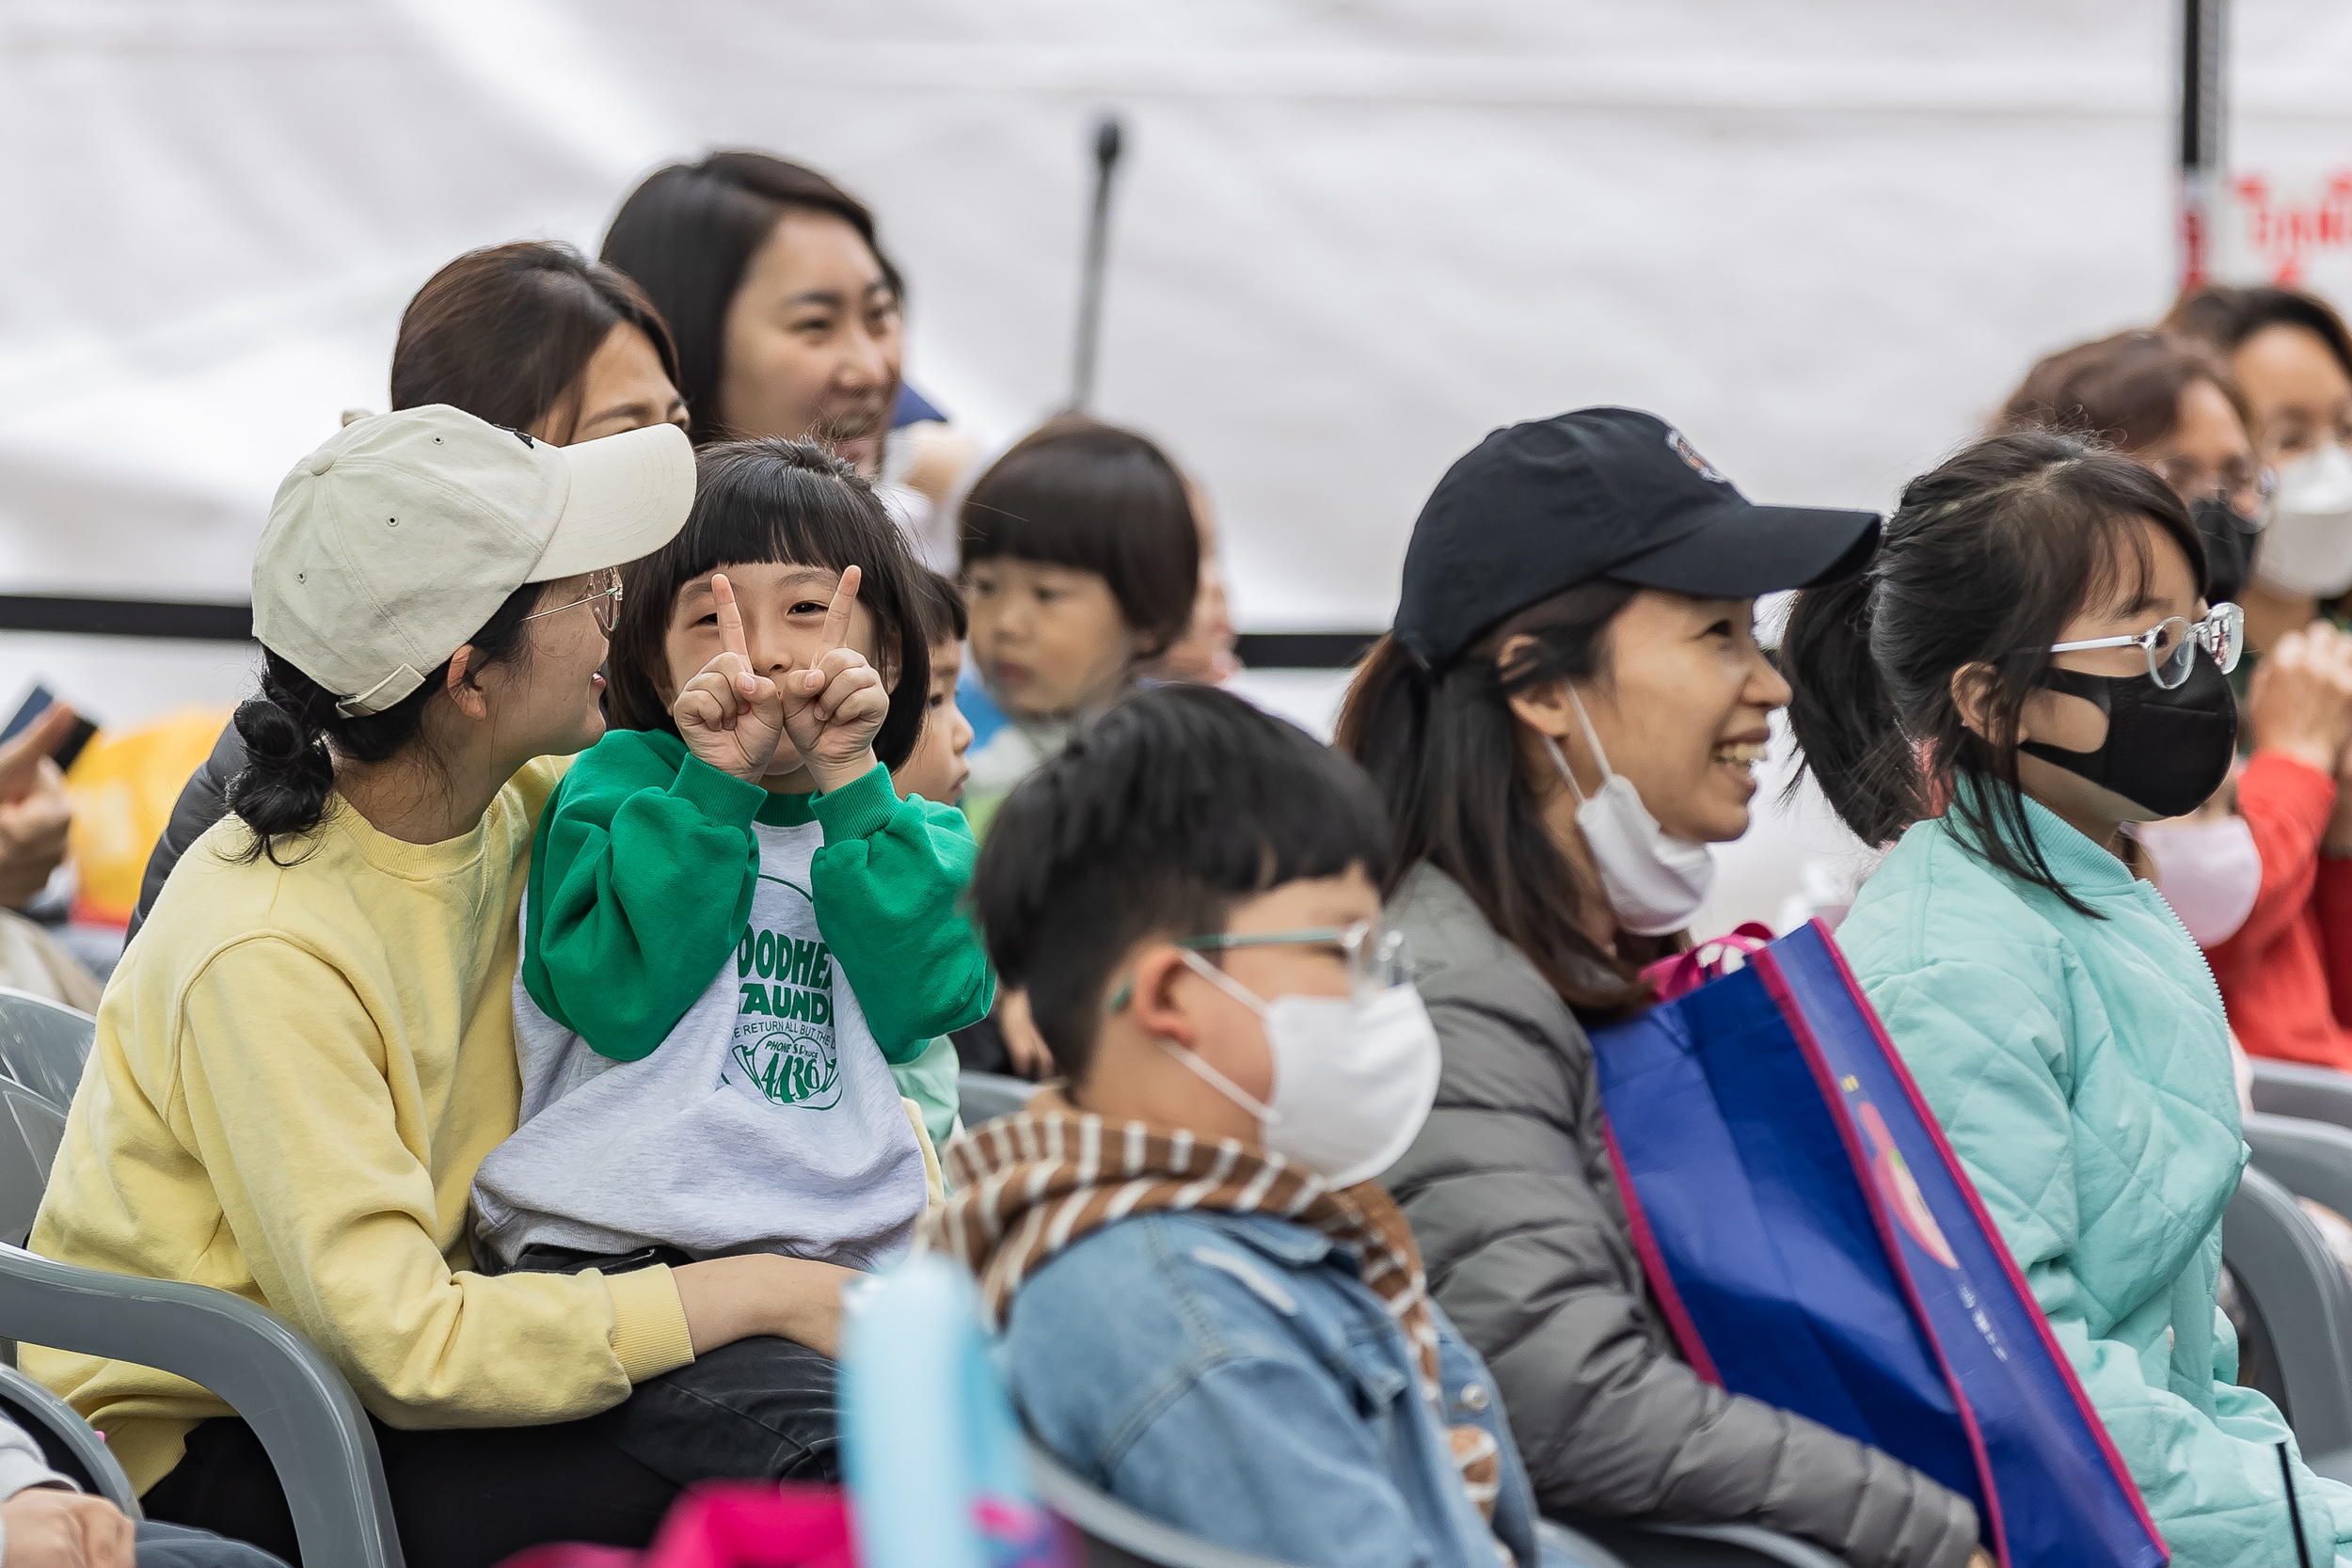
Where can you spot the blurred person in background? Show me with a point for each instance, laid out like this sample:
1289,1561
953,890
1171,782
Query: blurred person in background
1081,564
789,319
2262,875
532,336
35,818
2172,404
2291,358
936,771
1204,655
1565,717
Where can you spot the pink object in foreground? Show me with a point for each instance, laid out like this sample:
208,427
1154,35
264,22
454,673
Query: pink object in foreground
728,1524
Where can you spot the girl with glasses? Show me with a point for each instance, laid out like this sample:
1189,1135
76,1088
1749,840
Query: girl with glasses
2027,667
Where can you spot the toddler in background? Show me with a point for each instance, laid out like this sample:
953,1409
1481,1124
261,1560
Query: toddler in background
935,770
734,927
1081,559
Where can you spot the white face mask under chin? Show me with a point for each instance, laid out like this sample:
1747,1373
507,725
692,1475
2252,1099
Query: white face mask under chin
2307,549
1353,1080
2209,872
1654,882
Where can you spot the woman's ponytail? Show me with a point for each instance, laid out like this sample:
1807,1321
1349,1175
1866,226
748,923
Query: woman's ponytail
1844,719
294,732
1384,725
281,790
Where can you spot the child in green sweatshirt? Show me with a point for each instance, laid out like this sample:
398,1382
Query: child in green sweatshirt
734,927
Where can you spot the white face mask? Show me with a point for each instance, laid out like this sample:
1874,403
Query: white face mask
1353,1080
2209,872
1654,882
2308,546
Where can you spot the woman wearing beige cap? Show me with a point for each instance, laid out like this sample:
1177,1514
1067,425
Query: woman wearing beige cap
311,1047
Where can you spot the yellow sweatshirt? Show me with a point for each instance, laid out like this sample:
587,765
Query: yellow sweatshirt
297,1070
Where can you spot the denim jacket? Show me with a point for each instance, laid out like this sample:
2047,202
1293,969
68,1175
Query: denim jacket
1230,1376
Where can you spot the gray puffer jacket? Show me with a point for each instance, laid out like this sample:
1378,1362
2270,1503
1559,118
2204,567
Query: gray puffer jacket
1511,1195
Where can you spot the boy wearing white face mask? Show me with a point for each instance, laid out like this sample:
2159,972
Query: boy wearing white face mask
1208,1307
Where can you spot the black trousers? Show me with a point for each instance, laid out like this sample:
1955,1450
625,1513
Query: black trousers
757,1410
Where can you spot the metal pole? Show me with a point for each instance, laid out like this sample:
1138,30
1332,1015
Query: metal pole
2205,116
1106,150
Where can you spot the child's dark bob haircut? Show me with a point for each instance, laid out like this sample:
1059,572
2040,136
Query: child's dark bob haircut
1078,493
940,609
1158,818
774,501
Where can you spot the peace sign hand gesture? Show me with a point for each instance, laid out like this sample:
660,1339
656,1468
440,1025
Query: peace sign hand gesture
833,709
727,716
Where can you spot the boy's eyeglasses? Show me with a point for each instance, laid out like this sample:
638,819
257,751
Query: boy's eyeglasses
604,597
2171,647
1378,957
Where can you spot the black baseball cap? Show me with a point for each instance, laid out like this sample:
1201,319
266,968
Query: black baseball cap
1536,508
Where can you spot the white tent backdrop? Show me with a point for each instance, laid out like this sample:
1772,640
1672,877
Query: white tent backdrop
1824,236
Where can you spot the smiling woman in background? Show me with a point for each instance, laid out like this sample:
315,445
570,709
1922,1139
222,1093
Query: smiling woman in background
532,335
788,316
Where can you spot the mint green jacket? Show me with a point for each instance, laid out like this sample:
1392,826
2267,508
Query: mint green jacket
2081,1069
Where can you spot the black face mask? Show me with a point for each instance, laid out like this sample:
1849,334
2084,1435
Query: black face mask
2229,541
2166,751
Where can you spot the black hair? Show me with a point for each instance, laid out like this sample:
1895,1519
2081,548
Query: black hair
940,607
506,333
2225,315
1983,564
773,500
293,734
1160,814
1078,493
688,235
1443,748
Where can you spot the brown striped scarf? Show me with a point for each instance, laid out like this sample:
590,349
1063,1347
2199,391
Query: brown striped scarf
1022,1187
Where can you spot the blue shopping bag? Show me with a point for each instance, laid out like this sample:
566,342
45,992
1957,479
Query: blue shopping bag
1814,1243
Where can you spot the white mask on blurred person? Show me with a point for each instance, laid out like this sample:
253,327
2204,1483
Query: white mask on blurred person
2308,546
1655,882
2209,872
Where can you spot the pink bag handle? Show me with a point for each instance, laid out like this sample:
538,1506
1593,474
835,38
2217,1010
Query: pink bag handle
1684,972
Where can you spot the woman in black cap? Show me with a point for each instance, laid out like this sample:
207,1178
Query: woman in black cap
1564,717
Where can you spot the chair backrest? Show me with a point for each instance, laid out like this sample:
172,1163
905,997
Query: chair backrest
2309,1158
2312,1093
1118,1536
2304,1297
67,1442
985,1096
43,1044
31,1129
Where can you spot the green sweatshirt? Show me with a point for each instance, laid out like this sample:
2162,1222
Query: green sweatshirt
641,888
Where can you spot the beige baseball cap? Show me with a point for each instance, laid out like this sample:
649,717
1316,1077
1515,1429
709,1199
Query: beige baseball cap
392,543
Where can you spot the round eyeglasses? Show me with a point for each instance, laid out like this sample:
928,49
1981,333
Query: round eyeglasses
2171,645
603,598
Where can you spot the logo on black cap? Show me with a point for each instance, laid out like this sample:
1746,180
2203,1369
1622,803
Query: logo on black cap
1690,454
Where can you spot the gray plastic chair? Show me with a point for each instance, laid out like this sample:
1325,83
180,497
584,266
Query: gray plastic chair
307,1417
2302,1296
2312,1093
985,1096
1643,1544
2309,1158
1118,1536
43,1044
66,1440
